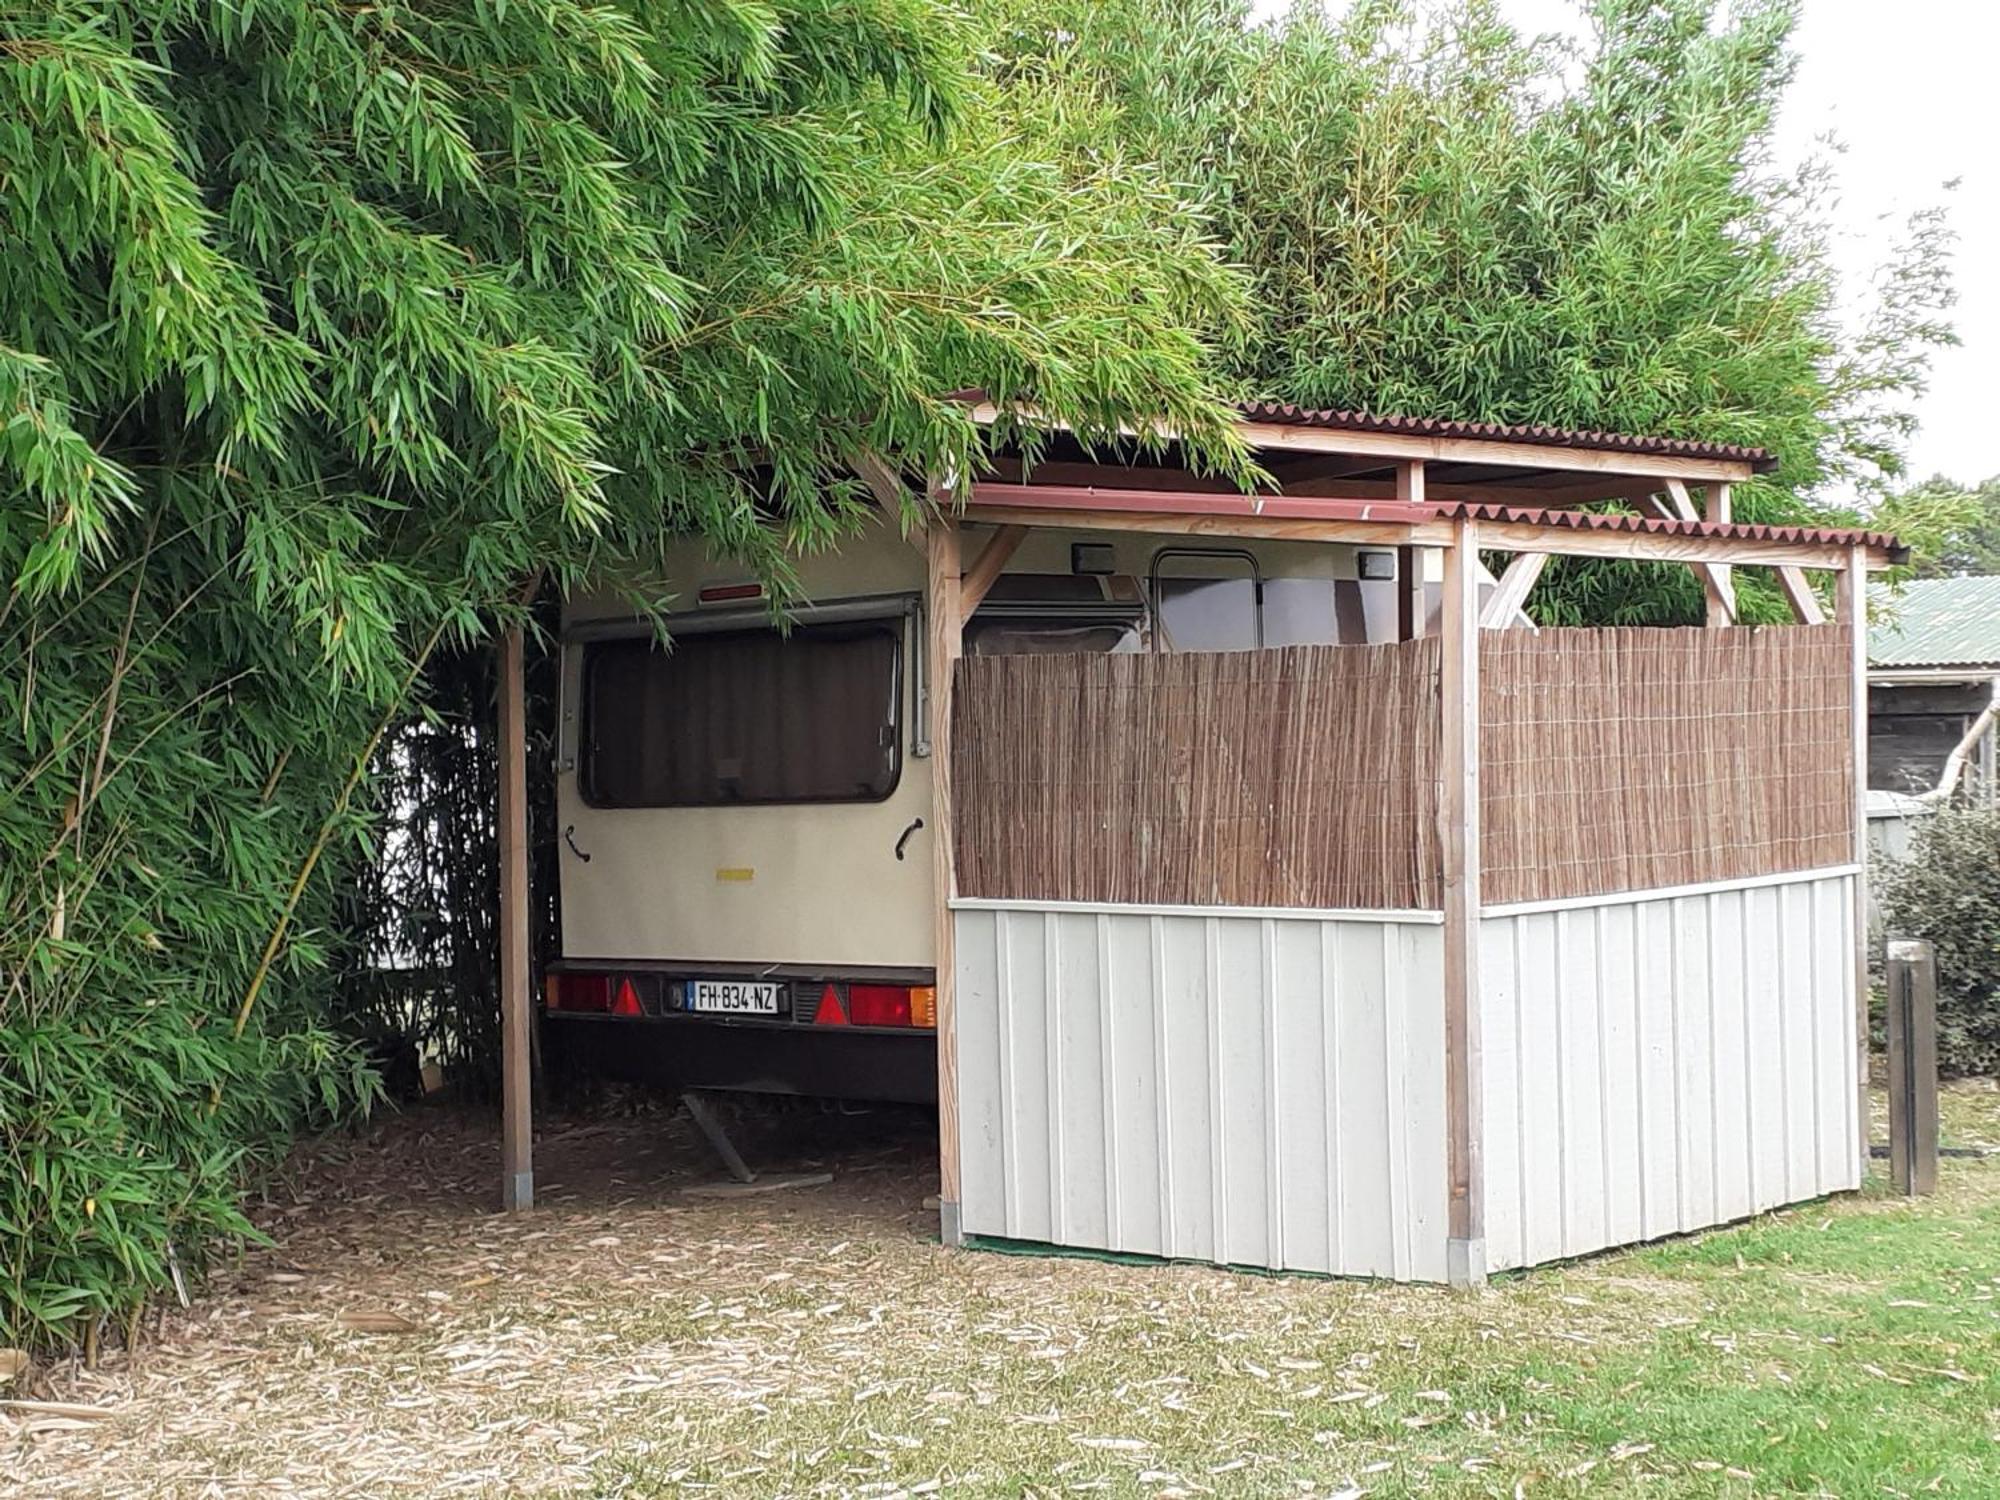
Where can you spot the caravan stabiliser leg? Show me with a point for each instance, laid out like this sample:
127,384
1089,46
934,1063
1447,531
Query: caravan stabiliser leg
718,1138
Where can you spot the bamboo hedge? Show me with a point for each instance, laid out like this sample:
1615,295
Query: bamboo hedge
323,329
418,959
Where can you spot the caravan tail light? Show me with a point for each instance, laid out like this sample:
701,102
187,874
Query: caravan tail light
830,1012
878,1005
624,995
897,1005
637,996
581,994
627,1003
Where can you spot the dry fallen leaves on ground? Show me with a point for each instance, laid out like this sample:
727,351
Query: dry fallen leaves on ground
399,1337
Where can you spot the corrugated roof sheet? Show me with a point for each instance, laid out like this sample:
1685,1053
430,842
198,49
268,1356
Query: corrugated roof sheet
1750,531
1284,413
1938,622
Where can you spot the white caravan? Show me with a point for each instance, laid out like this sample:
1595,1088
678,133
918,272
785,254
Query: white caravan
747,896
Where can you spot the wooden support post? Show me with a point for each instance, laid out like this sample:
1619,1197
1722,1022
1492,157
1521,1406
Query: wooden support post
1799,594
1853,612
1459,810
1717,583
517,1179
1505,605
947,638
1913,1091
1409,594
1722,583
993,557
1410,612
1410,482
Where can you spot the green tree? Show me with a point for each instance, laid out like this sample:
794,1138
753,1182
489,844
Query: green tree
1956,526
1441,216
326,327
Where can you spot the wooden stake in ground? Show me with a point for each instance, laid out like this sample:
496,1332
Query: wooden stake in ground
1459,841
1852,610
946,642
517,1181
1913,1097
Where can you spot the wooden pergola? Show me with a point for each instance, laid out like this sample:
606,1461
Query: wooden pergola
1461,489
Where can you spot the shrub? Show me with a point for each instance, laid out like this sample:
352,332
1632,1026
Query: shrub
1948,891
162,781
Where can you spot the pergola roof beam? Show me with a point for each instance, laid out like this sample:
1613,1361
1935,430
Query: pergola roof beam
1654,546
1517,454
1504,606
891,494
1390,533
1716,582
1522,491
1366,521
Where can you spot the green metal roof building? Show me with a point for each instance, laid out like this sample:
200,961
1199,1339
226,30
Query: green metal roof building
1946,624
1933,671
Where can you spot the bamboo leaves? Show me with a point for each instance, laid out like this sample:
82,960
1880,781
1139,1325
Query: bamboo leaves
324,326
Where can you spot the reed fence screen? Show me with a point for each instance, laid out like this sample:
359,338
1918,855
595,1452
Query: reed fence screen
1630,758
1304,776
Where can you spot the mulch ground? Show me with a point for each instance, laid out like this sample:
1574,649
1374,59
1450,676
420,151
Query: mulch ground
400,1337
398,1333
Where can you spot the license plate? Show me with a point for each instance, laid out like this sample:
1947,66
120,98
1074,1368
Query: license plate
733,997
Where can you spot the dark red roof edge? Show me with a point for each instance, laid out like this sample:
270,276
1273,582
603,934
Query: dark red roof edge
1060,497
1057,498
1586,520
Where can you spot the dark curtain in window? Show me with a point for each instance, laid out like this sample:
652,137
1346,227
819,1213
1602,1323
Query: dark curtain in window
747,716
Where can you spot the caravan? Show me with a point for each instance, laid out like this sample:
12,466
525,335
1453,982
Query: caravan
747,888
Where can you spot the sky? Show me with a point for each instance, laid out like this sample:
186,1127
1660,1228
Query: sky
1905,88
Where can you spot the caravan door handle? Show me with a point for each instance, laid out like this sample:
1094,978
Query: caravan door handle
915,824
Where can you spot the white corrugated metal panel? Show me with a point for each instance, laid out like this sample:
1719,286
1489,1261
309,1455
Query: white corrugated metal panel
1254,1089
1660,1062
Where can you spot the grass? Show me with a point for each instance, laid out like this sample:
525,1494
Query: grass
1841,1353
632,1342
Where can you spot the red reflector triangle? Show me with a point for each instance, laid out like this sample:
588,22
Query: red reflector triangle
829,1012
627,1003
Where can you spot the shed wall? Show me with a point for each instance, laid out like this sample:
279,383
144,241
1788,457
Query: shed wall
1660,1062
1253,1089
1914,727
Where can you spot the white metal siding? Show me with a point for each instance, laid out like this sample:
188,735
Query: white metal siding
1662,1061
1247,1088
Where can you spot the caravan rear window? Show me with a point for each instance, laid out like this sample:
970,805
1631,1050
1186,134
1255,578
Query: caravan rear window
744,717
